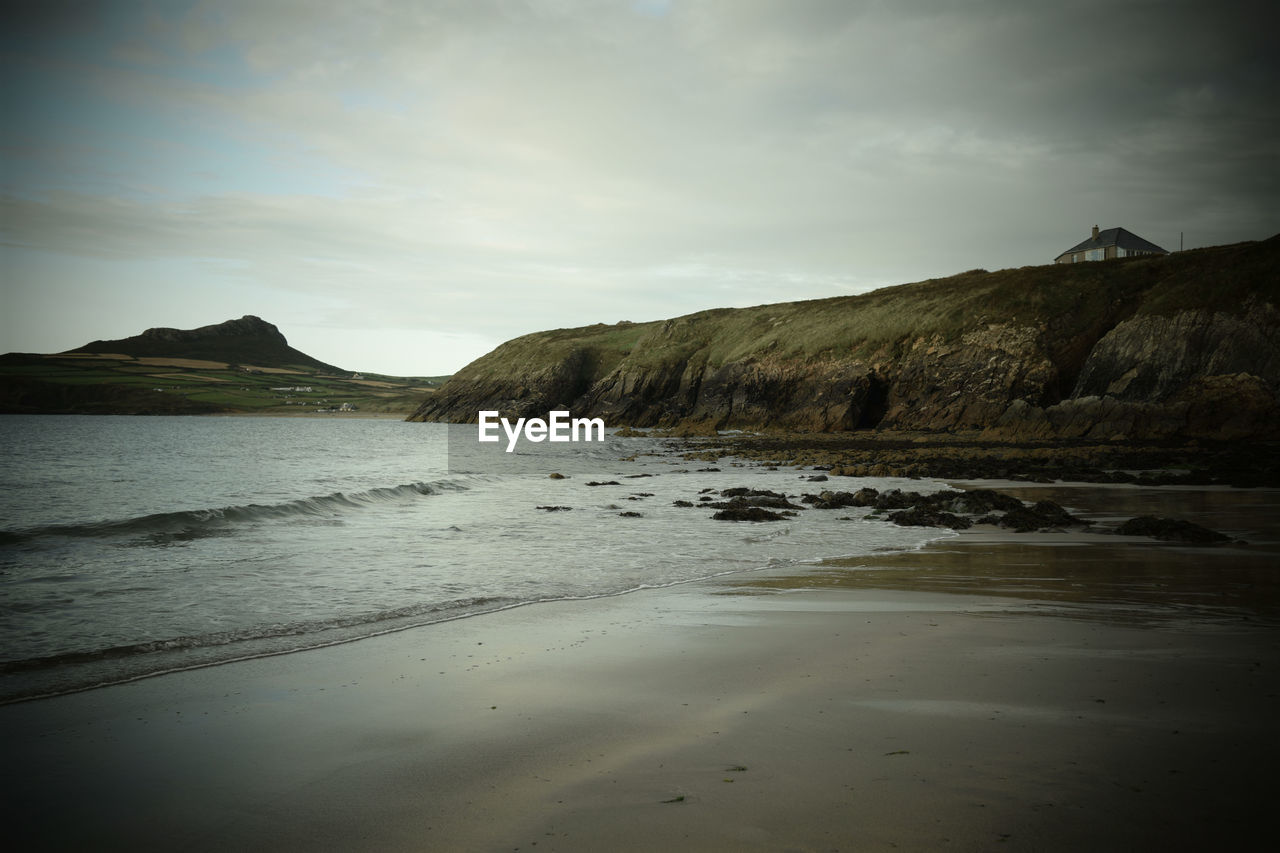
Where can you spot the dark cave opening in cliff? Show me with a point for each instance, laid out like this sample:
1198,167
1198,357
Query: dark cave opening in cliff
874,405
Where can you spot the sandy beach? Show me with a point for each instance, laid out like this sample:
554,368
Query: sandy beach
961,698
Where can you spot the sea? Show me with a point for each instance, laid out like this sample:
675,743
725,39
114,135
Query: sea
135,546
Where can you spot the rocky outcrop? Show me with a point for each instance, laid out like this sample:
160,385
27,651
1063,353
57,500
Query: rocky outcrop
1172,530
1186,345
970,383
246,326
1196,373
1153,358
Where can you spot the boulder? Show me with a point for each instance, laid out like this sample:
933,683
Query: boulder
748,513
1171,530
1043,514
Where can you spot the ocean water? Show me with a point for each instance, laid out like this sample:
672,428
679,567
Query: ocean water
135,546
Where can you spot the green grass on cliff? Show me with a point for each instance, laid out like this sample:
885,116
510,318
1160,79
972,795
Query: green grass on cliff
1074,304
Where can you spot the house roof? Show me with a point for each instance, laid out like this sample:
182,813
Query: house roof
1116,237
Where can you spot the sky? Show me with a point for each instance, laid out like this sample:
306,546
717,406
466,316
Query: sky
402,186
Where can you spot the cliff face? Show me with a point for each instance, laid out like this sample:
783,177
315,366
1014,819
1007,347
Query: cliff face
1196,373
1181,346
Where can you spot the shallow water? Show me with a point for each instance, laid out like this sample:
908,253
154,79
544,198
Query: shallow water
132,546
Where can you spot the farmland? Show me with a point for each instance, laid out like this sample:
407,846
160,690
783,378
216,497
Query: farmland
116,383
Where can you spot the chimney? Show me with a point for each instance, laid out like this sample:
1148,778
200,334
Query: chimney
1095,232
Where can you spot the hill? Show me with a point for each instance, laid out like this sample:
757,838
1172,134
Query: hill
240,366
1185,345
249,340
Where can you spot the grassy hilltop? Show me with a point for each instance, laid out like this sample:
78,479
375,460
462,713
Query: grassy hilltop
1129,347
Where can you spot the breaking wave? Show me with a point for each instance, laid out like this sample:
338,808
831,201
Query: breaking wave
70,672
304,628
207,522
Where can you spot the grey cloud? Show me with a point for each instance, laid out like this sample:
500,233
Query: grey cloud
581,158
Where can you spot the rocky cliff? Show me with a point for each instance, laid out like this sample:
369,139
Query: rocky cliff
1186,345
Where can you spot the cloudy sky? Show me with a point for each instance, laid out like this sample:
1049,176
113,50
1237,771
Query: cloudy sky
401,186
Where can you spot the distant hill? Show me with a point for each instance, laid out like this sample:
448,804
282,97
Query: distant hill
247,341
1179,346
240,366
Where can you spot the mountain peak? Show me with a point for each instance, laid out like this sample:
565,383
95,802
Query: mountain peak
246,326
249,340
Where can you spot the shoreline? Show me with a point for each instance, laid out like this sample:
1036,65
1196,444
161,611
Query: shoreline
356,415
778,710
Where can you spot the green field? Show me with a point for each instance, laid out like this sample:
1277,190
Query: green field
120,384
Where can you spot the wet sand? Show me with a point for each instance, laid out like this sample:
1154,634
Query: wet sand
975,695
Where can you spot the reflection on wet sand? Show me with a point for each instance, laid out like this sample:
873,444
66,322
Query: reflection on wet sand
1095,575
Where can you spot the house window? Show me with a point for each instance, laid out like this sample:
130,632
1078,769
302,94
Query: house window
1093,255
1120,252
